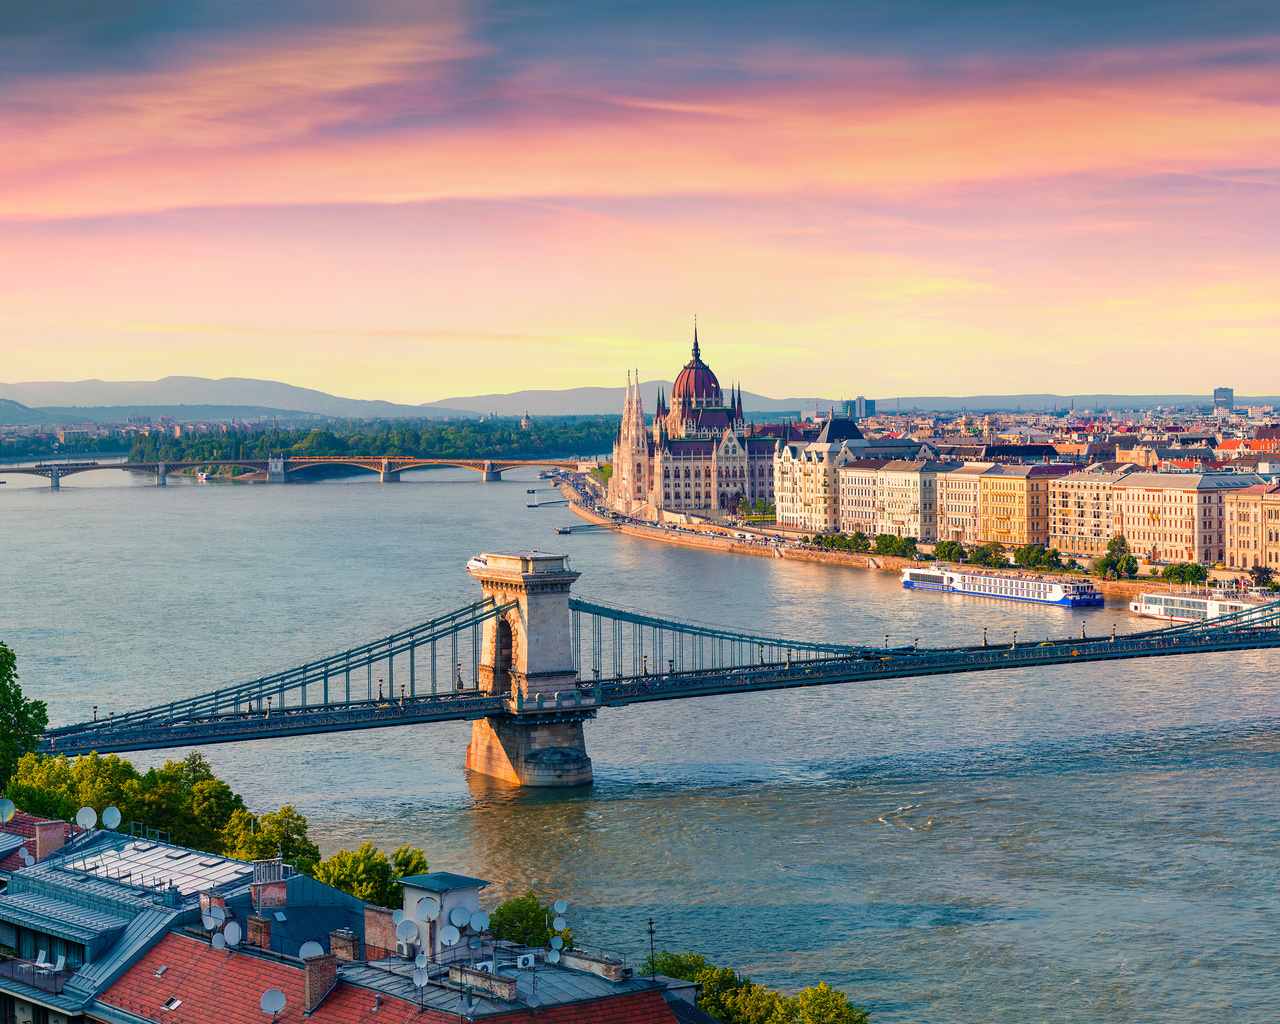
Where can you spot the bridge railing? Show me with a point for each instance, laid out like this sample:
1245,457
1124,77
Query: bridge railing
327,682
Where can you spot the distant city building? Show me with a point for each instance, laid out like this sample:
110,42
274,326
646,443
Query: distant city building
860,408
525,422
1253,527
138,421
1224,400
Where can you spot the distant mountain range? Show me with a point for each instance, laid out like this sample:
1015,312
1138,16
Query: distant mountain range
245,397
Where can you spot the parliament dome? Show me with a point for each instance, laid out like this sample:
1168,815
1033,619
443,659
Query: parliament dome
696,382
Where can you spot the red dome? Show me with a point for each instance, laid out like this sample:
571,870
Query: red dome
696,381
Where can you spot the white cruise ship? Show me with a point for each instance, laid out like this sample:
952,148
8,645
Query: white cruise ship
1174,607
1064,593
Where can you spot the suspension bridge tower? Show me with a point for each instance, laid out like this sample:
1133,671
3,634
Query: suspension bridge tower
526,655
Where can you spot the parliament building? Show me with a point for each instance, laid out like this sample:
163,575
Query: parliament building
696,457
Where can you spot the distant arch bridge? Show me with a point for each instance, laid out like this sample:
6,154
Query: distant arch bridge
280,469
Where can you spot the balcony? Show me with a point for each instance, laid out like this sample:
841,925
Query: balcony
35,975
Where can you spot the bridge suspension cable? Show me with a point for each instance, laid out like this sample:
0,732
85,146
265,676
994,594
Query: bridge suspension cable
327,683
618,644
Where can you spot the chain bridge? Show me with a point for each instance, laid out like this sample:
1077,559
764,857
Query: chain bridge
280,469
528,664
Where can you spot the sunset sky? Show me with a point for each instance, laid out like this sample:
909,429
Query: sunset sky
421,200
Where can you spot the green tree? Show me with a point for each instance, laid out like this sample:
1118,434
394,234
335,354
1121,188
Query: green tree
1261,576
370,875
22,721
860,542
948,551
819,1004
281,833
526,920
1118,562
42,802
1185,572
990,555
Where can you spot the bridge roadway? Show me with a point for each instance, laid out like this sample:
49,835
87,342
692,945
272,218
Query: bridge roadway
278,469
854,665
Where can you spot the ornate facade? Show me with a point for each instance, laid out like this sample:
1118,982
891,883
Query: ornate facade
696,457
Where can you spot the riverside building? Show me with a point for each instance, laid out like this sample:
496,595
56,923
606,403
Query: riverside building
858,484
1081,512
1013,503
1253,527
958,490
696,457
1177,517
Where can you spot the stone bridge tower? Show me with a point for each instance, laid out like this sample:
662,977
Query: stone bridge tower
527,656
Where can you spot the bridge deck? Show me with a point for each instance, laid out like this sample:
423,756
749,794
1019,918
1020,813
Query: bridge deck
852,666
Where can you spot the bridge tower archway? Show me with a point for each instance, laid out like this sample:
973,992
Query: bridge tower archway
526,655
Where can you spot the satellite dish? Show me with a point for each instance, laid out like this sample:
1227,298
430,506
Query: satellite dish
459,917
428,909
420,961
111,817
397,917
475,942
273,1001
533,1002
28,860
232,932
406,931
218,914
219,941
210,925
557,942
23,852
449,935
419,978
6,809
559,924
560,906
86,817
479,921
310,949
553,957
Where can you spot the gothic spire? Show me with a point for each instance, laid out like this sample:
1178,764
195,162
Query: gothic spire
696,354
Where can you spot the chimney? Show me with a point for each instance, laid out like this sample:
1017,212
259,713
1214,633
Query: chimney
258,931
50,835
319,975
344,944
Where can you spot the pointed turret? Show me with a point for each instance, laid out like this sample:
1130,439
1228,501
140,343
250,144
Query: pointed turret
696,353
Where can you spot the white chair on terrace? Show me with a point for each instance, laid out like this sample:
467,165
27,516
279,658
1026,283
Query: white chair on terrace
60,966
41,959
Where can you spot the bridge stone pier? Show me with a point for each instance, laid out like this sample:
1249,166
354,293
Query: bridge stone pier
276,472
162,475
387,474
527,656
491,474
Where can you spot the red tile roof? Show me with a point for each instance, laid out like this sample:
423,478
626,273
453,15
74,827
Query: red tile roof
222,987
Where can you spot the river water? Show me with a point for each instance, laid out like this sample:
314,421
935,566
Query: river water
1092,843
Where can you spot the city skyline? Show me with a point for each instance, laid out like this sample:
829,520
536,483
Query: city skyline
407,203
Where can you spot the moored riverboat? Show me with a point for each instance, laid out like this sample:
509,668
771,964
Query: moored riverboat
1035,589
1185,607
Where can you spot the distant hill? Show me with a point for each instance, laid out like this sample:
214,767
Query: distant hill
245,397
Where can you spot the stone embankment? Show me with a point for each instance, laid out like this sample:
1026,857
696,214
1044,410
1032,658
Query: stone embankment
721,539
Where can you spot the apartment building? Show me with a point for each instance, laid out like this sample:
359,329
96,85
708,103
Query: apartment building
1013,503
958,491
1081,507
1177,517
858,497
805,486
908,499
1253,527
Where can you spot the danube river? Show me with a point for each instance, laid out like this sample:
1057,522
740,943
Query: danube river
1094,843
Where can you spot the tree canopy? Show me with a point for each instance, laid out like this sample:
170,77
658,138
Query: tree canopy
22,721
1118,562
734,999
370,874
526,920
1185,572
